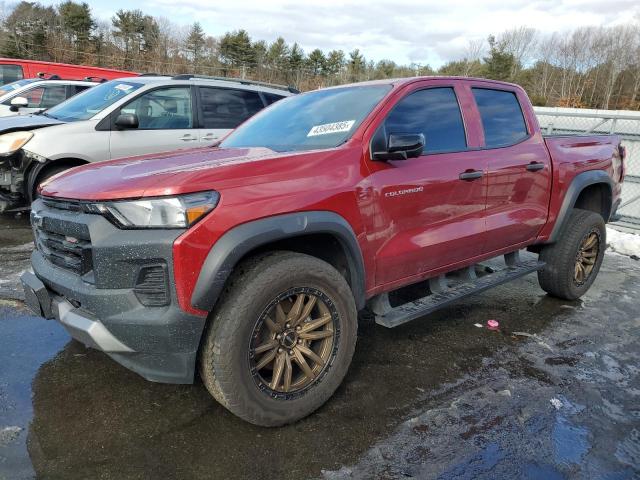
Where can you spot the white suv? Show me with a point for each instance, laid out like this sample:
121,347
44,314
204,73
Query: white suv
32,95
125,117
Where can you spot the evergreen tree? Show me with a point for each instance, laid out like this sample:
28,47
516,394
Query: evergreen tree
357,64
195,43
316,62
236,49
499,64
77,23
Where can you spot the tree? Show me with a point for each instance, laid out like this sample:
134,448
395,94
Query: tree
195,43
385,69
296,57
316,62
138,32
29,27
236,49
77,24
499,64
278,54
356,65
335,63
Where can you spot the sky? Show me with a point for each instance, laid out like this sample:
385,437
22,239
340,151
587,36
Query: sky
405,31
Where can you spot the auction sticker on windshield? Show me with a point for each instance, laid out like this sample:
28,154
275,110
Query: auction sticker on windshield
124,87
327,128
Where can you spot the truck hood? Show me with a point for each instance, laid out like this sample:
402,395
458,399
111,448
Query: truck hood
170,173
25,122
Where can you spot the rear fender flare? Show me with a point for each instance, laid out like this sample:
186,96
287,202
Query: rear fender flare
239,241
578,184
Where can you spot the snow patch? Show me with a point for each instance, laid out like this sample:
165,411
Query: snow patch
8,435
623,243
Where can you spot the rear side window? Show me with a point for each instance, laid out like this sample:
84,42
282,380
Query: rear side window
10,73
501,115
271,97
435,113
227,108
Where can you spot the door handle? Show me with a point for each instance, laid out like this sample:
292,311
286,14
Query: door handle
188,138
210,136
470,175
535,166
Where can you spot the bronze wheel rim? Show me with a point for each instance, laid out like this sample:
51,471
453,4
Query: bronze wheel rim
586,257
294,342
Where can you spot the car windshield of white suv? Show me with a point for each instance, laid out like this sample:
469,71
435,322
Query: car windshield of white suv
310,121
92,101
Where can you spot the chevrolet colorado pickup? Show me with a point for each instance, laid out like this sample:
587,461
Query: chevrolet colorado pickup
249,261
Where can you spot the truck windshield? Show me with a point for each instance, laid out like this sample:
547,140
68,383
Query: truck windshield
314,120
92,101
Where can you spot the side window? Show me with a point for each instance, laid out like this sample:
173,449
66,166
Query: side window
33,96
75,89
435,113
501,115
227,108
10,73
162,109
272,97
52,96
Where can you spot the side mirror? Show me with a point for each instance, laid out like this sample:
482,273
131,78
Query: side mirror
401,146
127,120
17,103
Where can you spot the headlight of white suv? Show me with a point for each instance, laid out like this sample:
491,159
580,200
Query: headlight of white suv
10,142
160,212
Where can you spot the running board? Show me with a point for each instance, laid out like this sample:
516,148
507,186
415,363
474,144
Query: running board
392,317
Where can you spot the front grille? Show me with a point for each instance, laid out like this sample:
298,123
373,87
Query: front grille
64,251
63,243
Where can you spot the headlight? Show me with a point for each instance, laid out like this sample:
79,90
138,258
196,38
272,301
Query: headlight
166,212
10,142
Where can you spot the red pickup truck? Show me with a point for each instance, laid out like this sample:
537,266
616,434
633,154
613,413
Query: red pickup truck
250,260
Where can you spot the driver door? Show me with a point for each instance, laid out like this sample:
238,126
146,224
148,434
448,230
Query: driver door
165,117
429,213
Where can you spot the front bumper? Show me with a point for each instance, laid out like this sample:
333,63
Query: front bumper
100,308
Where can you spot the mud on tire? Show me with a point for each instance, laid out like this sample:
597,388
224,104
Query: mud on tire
280,339
573,262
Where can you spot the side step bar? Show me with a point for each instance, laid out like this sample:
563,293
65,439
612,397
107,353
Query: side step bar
392,317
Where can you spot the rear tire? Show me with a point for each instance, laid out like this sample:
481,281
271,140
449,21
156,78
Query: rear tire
573,262
263,357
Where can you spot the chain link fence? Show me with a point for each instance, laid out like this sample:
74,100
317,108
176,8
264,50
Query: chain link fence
624,123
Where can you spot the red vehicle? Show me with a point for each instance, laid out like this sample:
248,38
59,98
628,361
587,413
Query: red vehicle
251,260
12,69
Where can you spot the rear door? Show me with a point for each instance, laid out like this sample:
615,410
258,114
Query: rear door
519,179
166,122
427,216
223,109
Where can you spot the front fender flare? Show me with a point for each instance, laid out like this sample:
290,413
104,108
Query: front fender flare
237,242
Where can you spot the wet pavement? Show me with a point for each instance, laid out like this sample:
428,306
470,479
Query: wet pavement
554,393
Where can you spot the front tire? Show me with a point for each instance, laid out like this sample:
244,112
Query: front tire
573,262
281,338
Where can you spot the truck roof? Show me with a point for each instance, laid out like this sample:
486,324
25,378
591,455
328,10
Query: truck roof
408,80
